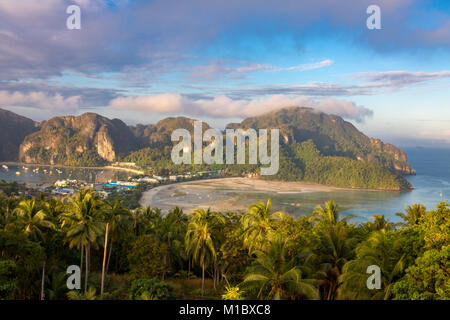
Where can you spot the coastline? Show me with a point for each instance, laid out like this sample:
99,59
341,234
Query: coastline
108,167
232,186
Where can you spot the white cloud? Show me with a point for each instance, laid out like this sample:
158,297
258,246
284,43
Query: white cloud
400,78
38,99
220,68
225,107
161,103
310,66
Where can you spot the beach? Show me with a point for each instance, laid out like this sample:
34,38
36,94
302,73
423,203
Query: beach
224,194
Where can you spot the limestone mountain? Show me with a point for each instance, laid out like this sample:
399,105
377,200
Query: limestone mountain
13,129
314,146
88,139
332,135
159,134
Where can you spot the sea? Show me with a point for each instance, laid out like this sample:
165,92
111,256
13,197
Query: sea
35,175
431,185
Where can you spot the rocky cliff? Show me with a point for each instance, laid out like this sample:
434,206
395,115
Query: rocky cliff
89,139
13,129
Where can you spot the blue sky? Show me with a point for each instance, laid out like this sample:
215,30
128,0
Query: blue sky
222,61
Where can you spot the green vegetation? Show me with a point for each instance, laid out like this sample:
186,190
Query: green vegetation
314,147
257,254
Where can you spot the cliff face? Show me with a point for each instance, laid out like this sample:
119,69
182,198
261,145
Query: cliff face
89,139
13,129
400,159
159,134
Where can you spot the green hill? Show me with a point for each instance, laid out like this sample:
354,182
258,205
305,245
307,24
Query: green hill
314,147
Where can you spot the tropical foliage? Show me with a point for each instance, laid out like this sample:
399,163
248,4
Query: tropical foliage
144,253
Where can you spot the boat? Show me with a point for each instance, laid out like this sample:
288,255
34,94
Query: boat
5,167
18,173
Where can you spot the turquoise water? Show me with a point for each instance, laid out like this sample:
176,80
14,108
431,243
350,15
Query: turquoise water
432,181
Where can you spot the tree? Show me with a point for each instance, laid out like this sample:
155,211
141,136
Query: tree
335,250
170,232
413,215
428,279
257,224
8,280
435,225
145,258
119,219
383,250
8,203
379,223
328,215
199,240
276,276
150,289
84,223
32,219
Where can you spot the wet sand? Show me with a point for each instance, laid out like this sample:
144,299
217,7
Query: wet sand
222,194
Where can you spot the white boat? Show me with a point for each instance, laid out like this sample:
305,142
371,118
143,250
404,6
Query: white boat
5,167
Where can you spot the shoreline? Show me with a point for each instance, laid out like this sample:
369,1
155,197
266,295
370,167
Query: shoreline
236,184
108,167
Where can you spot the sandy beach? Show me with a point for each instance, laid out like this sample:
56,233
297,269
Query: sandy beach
224,193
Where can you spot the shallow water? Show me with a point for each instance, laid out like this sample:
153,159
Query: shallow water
431,184
432,181
87,175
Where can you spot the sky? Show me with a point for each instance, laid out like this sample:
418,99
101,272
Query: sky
222,61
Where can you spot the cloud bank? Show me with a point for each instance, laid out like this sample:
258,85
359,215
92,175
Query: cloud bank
225,107
40,100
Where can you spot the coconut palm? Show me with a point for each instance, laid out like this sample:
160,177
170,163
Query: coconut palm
8,204
84,223
119,219
379,223
32,219
258,224
276,275
336,249
53,207
170,232
199,240
413,214
379,250
328,215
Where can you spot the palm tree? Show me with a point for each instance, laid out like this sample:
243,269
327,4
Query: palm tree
119,218
378,250
84,224
328,215
32,219
276,275
257,224
9,204
143,218
380,223
335,251
199,240
170,232
413,214
54,207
